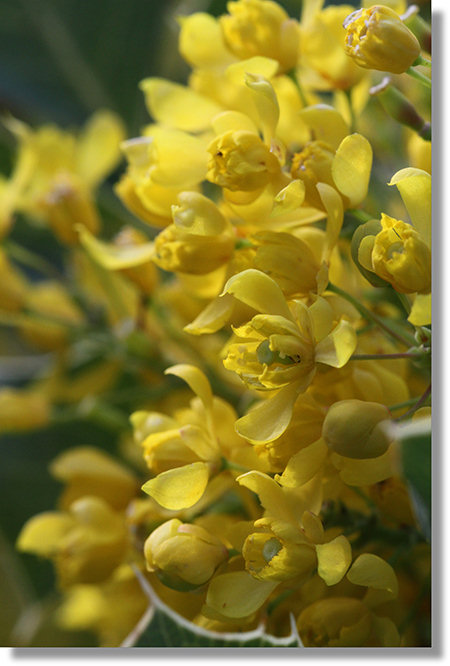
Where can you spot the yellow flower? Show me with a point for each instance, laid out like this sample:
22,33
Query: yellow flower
185,451
88,471
401,253
200,240
110,609
350,622
261,27
184,556
280,349
86,544
57,172
376,38
241,161
401,257
335,158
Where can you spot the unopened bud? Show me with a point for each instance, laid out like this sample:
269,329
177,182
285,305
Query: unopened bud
184,556
378,39
355,429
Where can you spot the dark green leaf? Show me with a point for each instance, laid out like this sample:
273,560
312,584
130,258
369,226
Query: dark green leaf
162,627
415,443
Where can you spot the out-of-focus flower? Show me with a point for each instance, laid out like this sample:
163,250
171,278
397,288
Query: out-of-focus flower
86,544
57,172
23,409
261,28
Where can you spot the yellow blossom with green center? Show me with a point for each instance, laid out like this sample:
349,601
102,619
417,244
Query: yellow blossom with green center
280,349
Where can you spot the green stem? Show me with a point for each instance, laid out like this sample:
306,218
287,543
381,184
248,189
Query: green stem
420,403
402,405
406,340
360,214
404,301
420,60
385,357
226,464
424,80
28,258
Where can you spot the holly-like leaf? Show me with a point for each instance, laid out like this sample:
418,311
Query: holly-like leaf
415,445
160,626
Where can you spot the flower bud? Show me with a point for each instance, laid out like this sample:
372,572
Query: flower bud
378,39
261,28
354,429
335,622
184,556
401,257
241,161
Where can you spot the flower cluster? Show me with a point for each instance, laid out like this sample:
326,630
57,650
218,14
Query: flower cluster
264,335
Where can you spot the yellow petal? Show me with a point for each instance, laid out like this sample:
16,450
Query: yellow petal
266,104
213,317
374,572
386,631
238,594
420,314
271,417
334,559
338,346
178,106
98,147
332,202
289,198
115,257
271,496
42,533
303,465
176,159
261,65
201,41
195,379
259,291
414,186
233,120
351,168
322,318
326,123
364,472
179,488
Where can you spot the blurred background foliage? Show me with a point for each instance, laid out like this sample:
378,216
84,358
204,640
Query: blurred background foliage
60,60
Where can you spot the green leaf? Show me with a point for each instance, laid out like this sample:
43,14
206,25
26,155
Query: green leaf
415,447
160,626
